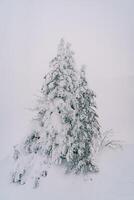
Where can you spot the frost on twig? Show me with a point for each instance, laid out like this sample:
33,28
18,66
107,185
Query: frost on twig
107,141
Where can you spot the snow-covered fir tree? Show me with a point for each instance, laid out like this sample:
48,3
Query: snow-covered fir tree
65,125
86,131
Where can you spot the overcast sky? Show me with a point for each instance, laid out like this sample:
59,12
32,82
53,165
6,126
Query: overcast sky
101,33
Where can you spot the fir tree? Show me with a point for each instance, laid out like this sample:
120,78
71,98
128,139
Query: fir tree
65,125
86,131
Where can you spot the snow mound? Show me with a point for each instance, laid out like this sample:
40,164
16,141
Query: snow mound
115,181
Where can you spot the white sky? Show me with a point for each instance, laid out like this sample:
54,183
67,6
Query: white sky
101,33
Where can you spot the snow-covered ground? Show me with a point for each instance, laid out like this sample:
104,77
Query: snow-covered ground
115,181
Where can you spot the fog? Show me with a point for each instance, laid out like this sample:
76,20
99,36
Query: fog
101,33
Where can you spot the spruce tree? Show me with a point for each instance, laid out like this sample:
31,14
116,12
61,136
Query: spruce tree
65,125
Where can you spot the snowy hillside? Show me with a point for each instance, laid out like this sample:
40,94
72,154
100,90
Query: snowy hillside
115,181
53,113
